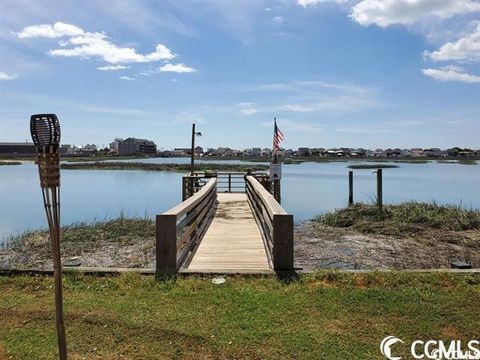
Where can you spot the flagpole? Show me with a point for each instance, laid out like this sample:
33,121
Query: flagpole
276,182
274,152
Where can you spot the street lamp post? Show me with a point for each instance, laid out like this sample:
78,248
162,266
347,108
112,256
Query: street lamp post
192,160
45,131
192,151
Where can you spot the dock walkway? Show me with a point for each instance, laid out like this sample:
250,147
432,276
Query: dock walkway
233,241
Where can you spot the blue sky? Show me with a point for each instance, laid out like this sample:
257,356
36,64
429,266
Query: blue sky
369,73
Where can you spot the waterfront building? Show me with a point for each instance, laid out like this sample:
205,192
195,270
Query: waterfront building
131,146
114,145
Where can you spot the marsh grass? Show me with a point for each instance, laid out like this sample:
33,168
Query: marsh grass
111,165
467,162
406,218
120,230
7,163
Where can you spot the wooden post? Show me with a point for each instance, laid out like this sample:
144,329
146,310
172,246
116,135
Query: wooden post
184,188
283,242
166,245
229,182
350,188
276,191
191,188
379,189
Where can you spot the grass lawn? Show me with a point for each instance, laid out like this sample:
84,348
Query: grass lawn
323,316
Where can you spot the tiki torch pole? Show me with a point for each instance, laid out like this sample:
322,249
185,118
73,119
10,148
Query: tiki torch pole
45,131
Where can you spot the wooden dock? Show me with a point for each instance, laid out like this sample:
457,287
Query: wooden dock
218,230
233,242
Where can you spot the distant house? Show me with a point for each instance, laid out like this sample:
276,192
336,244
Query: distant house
393,152
417,152
198,151
433,152
317,152
266,152
181,151
222,151
331,152
406,153
303,151
358,152
284,153
379,153
66,149
89,149
467,153
256,152
17,148
133,146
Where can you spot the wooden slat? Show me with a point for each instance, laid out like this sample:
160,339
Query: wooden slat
233,240
272,206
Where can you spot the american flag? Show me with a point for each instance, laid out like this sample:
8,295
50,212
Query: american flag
277,136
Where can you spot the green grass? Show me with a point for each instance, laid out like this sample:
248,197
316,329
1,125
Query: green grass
406,218
324,316
110,165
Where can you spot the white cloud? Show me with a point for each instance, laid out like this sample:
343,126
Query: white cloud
5,76
310,97
93,45
278,19
126,78
466,48
56,30
176,68
297,107
306,3
387,12
248,111
451,73
112,67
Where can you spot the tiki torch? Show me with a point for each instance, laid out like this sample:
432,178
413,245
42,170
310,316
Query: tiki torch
45,131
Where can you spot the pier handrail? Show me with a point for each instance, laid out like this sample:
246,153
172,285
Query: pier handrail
227,182
275,224
179,229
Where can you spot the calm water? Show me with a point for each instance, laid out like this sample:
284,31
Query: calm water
308,189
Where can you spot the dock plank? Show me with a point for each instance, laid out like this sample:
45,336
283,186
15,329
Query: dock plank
233,240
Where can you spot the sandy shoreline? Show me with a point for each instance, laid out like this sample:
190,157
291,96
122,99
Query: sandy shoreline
317,246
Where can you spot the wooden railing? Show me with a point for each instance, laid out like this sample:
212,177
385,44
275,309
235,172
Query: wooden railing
227,182
179,229
275,224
